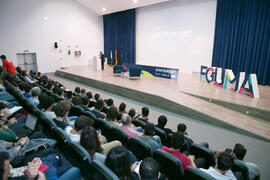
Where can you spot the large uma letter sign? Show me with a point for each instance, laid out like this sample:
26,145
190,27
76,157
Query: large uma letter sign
225,78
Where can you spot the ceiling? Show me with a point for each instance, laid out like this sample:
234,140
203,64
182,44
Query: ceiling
102,7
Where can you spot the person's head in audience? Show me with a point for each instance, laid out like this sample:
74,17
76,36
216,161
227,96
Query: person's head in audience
122,108
4,165
182,128
27,88
85,101
77,90
126,120
118,161
45,82
61,109
76,100
82,122
22,85
109,102
60,92
112,114
39,74
83,91
19,69
2,107
224,162
162,121
89,95
239,152
69,96
35,92
97,97
3,57
145,112
50,85
149,169
132,113
99,105
177,141
149,129
89,140
55,89
46,102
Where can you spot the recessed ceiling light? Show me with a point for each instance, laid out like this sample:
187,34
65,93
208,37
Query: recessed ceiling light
104,9
135,1
45,18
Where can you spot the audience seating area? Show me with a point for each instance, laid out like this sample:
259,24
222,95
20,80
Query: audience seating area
92,169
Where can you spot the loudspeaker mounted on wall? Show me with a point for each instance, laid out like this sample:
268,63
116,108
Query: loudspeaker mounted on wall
55,45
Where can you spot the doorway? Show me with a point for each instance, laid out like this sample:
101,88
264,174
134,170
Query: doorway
27,61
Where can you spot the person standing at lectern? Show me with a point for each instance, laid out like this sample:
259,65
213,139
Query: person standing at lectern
101,56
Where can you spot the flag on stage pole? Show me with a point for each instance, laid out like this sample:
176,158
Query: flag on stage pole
111,57
115,58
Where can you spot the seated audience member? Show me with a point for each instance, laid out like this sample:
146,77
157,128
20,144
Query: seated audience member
127,127
47,103
238,153
13,148
61,111
122,110
27,78
132,113
90,141
145,113
222,168
149,169
55,89
112,116
89,95
118,160
80,123
7,134
60,92
45,82
83,92
77,100
182,129
177,142
4,114
97,97
50,86
162,121
98,108
35,94
85,103
69,96
27,90
21,86
109,102
147,137
77,90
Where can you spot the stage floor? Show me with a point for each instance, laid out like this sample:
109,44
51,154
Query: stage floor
187,96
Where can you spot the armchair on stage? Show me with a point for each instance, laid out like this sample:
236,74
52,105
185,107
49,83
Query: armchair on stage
135,72
118,69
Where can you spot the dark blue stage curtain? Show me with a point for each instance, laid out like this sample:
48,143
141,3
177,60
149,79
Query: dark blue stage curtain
119,32
242,37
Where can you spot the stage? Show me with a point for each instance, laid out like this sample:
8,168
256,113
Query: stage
186,96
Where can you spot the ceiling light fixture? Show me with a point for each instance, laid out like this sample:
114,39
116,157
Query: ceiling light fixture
135,1
104,9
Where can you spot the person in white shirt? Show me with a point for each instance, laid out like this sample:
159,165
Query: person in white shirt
35,94
222,171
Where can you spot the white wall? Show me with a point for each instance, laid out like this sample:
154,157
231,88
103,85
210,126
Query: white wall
35,25
177,34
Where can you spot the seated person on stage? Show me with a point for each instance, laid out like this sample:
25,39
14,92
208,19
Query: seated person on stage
145,113
90,141
77,100
47,103
85,103
149,138
112,116
77,91
98,108
238,153
80,123
122,110
162,121
127,127
177,142
222,168
61,111
35,94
